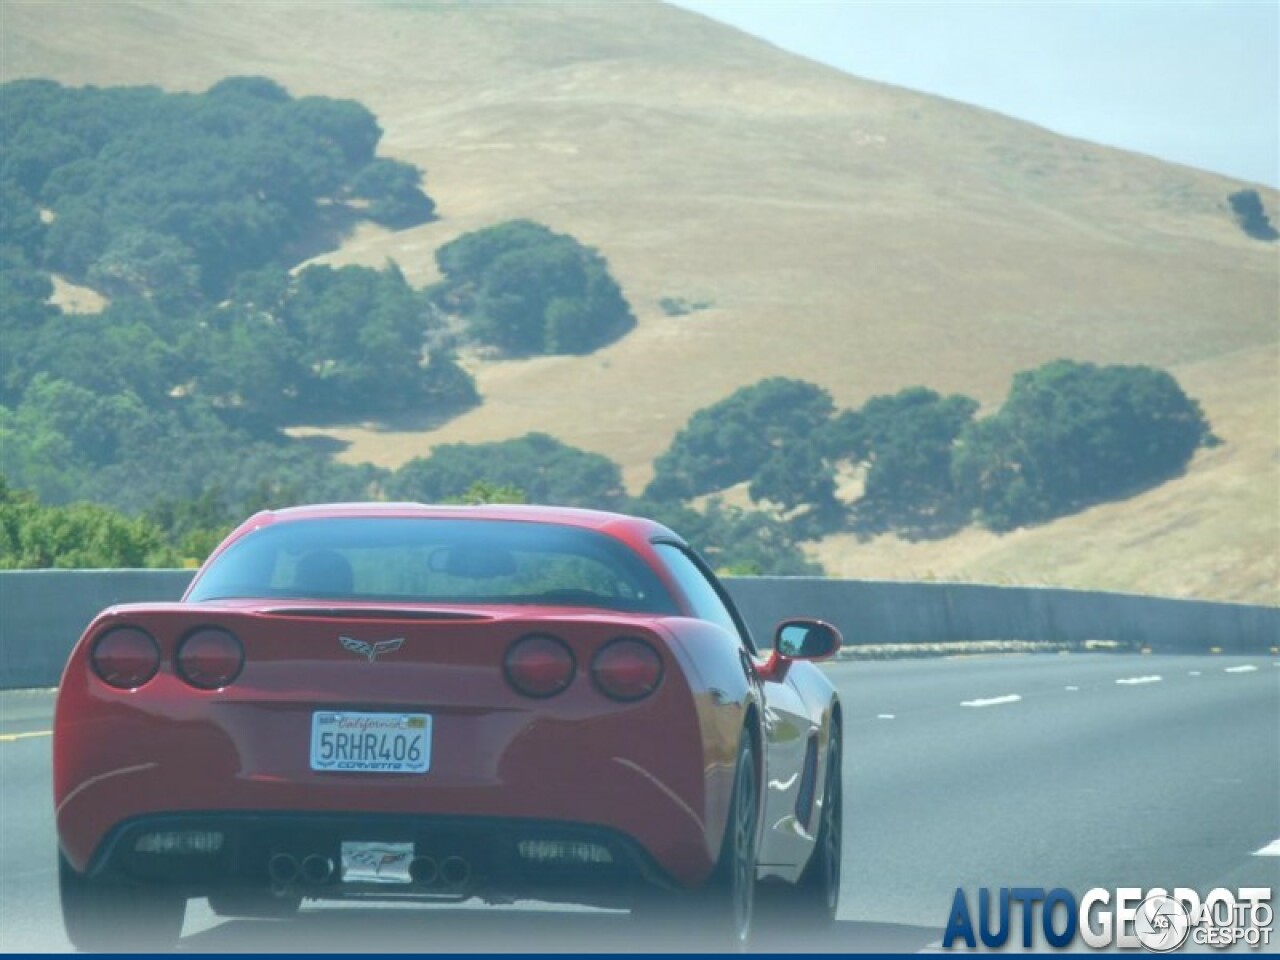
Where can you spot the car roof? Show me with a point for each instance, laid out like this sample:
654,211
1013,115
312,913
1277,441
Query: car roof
623,526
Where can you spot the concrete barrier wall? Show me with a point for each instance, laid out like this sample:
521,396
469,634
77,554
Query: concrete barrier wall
880,612
42,613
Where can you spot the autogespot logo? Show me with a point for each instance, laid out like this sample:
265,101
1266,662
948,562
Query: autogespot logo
1128,918
1162,924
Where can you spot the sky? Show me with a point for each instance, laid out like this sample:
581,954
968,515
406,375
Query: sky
1196,83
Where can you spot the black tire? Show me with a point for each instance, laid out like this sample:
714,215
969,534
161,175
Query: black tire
720,917
819,886
254,903
733,885
109,916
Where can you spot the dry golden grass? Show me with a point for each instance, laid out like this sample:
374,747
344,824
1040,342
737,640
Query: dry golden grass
72,298
1213,532
853,234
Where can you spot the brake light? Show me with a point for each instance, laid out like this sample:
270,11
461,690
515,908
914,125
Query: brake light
539,665
125,657
209,658
627,669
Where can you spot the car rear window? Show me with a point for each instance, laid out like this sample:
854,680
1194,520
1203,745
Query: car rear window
434,561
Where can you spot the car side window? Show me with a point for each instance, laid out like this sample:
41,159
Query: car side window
703,593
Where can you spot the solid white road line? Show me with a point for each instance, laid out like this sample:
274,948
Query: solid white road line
1130,681
992,702
1272,849
10,737
1246,668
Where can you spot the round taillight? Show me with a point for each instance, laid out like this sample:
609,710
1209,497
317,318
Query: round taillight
125,657
209,658
627,669
539,665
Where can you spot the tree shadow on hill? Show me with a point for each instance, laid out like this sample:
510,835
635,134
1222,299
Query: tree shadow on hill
325,232
322,443
869,519
416,420
429,415
333,223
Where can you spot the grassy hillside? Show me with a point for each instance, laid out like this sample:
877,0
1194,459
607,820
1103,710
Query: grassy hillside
849,233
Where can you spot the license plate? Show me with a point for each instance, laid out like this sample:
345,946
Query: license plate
370,742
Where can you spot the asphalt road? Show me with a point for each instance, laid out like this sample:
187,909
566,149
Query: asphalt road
1073,771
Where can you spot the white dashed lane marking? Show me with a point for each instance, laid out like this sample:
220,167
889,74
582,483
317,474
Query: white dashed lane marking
1245,668
992,701
1133,681
1071,688
1272,849
884,716
1193,673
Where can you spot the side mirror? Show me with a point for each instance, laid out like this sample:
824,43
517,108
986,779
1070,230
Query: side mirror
806,640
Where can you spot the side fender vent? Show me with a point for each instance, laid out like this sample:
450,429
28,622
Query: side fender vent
808,783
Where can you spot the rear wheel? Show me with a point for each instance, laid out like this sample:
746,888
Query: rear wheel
733,890
819,885
719,917
104,915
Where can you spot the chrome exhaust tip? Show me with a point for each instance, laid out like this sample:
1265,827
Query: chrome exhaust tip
282,868
316,868
424,871
455,871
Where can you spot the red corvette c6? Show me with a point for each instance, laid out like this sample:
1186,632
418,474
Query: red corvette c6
399,701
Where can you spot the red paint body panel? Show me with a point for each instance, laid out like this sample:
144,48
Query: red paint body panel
658,771
578,757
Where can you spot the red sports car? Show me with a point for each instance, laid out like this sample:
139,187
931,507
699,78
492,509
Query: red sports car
396,701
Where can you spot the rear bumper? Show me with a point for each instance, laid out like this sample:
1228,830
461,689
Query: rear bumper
498,859
646,771
649,790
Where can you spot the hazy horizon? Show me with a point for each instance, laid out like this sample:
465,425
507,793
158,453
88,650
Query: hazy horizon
1190,83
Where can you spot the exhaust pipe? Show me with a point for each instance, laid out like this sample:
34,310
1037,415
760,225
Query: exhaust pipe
424,871
455,871
283,870
317,869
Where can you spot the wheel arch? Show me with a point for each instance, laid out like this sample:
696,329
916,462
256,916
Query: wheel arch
753,725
